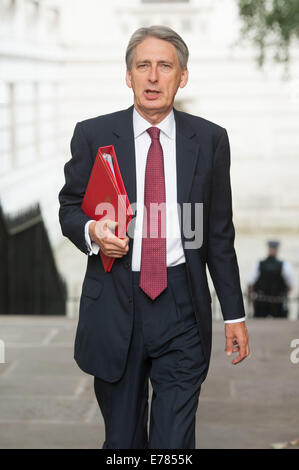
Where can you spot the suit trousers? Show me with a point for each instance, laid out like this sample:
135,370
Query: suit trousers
165,348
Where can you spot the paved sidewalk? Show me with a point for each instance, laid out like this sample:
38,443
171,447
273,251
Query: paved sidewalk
47,402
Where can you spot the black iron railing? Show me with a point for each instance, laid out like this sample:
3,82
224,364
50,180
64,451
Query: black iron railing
29,280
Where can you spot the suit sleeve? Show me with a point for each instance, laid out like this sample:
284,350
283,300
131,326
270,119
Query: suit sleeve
222,260
77,171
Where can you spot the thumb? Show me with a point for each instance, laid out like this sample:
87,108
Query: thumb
111,224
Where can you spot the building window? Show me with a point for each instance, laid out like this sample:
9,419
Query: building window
31,12
52,19
7,9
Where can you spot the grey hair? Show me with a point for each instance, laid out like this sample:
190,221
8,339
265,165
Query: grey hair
159,32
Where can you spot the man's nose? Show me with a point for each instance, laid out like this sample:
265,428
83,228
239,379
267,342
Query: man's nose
153,75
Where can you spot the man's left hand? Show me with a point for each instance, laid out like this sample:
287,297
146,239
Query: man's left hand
237,340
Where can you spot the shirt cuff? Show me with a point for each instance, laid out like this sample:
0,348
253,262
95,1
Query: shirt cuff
92,247
237,320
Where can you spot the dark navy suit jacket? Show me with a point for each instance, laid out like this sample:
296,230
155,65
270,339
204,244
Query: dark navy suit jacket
203,175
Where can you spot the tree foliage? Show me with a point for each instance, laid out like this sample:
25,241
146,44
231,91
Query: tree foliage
270,25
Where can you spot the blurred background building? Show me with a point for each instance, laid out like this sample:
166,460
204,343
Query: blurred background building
63,61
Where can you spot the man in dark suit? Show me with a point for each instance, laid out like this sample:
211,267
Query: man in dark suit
150,317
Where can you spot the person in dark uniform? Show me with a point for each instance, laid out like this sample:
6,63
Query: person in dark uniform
269,285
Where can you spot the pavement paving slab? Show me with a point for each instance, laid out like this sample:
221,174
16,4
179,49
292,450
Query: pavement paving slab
47,402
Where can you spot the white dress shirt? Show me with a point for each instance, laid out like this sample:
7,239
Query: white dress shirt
174,249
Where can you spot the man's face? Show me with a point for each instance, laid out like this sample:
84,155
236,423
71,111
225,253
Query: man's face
272,251
155,76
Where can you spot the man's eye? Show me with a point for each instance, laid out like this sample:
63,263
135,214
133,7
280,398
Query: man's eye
165,66
142,66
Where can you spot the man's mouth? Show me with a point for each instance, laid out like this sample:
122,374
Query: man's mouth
152,94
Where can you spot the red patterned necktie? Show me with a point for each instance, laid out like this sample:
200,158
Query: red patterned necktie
153,270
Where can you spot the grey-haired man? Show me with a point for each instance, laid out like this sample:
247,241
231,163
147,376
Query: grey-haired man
150,317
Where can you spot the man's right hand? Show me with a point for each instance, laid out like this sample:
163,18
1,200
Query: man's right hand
101,232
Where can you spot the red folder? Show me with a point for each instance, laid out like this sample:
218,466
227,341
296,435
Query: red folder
105,187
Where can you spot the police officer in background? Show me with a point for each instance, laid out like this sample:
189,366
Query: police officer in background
269,284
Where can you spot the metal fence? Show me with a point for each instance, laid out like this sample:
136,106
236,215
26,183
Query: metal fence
291,303
29,280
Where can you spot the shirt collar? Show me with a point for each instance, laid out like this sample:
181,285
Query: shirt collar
140,125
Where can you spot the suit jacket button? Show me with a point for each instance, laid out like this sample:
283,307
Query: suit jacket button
127,264
130,300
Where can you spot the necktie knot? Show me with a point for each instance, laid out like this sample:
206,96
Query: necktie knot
154,132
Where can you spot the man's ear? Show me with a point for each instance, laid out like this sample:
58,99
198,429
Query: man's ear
128,78
184,78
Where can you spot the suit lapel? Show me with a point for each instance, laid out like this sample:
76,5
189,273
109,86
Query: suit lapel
187,150
124,146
